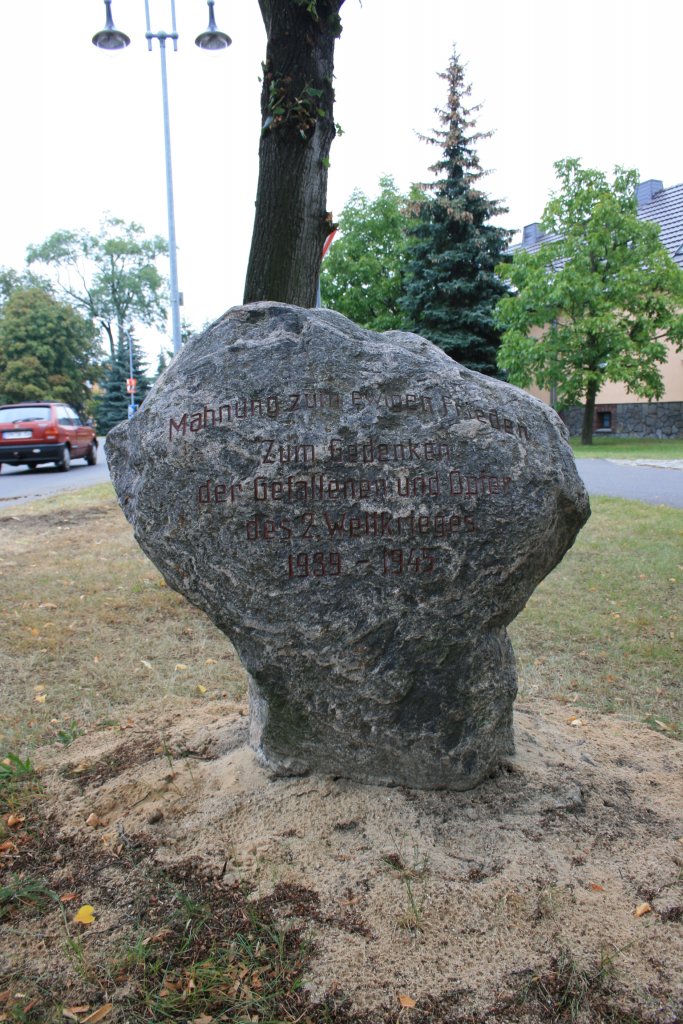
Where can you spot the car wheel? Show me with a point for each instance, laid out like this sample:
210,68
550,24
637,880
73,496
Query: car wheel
91,457
64,463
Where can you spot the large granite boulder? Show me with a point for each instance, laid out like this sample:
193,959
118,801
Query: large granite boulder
362,516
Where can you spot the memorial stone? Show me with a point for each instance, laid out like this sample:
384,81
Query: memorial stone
363,517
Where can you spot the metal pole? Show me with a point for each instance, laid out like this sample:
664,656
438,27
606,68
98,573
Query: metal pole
111,39
131,401
130,355
172,249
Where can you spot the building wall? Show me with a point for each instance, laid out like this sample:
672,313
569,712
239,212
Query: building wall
630,415
672,376
631,419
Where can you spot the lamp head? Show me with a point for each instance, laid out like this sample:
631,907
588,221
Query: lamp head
110,38
212,39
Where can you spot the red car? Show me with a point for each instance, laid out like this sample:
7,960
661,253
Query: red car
35,432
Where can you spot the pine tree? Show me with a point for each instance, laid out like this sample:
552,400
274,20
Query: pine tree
112,406
451,284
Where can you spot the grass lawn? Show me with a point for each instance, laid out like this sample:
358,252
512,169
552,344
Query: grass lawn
605,447
604,628
89,630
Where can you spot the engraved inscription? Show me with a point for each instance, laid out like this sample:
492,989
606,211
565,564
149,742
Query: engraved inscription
302,501
434,406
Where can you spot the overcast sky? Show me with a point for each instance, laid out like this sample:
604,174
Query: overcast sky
82,128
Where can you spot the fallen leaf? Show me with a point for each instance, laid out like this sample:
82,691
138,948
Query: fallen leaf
86,915
38,689
47,604
597,888
40,698
94,820
406,1001
71,1011
180,667
642,909
210,661
200,688
14,820
66,898
662,725
202,1019
98,1014
147,664
7,846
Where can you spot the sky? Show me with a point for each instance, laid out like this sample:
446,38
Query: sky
82,128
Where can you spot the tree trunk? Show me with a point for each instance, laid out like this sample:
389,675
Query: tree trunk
291,221
589,414
110,336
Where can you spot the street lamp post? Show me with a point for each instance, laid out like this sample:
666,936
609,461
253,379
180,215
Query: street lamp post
110,38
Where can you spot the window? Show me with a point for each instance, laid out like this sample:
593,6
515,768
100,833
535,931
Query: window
23,413
605,421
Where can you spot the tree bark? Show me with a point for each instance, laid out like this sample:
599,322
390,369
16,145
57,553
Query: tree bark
291,221
589,414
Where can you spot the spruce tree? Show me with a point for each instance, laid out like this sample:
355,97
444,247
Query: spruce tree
451,285
112,406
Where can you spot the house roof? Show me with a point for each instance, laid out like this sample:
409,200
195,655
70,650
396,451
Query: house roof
664,206
666,209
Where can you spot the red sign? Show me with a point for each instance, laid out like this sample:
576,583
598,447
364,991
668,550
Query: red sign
131,383
329,240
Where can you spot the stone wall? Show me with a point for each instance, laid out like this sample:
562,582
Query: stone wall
632,419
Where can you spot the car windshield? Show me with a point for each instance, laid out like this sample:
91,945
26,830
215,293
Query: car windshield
27,413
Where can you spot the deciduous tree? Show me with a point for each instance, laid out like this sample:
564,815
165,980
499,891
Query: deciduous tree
291,220
604,291
111,277
11,280
362,274
451,282
47,350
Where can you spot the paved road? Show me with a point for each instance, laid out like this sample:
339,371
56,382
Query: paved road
19,485
658,486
